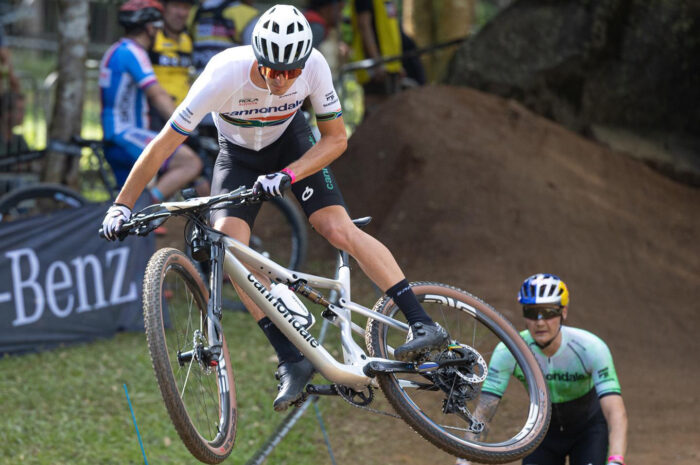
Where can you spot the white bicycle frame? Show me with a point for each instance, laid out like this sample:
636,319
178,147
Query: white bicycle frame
350,373
237,255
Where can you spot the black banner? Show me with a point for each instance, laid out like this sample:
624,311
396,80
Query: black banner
61,283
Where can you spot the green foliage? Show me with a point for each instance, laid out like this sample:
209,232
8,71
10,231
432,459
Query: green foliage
68,406
485,11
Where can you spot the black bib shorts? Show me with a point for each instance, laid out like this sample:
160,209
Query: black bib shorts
237,166
578,430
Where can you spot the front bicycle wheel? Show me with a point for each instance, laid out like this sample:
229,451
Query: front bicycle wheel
198,390
38,199
441,403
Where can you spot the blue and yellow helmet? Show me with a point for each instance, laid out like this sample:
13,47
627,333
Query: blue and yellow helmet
543,288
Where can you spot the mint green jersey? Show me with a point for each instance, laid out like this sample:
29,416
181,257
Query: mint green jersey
583,362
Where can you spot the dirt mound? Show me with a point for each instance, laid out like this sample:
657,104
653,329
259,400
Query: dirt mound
476,191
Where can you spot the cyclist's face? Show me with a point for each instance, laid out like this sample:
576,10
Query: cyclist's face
280,85
544,329
278,82
175,16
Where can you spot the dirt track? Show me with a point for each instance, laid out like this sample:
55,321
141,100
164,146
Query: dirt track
478,192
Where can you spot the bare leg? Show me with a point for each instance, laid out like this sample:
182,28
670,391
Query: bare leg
239,230
375,260
294,371
183,167
379,265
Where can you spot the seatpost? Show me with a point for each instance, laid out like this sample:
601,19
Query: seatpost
342,273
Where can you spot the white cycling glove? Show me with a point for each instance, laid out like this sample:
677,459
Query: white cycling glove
272,184
116,216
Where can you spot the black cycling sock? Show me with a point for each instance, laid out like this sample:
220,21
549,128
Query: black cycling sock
407,302
286,352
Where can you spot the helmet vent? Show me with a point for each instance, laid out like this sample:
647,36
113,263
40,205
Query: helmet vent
542,289
551,290
300,47
282,38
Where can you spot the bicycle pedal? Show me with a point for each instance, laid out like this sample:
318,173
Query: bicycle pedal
300,401
321,390
427,366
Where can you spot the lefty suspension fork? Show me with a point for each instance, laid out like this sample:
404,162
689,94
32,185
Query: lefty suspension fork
209,355
216,281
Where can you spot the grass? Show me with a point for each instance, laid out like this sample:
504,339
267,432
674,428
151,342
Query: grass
68,406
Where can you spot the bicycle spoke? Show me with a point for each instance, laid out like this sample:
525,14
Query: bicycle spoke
187,376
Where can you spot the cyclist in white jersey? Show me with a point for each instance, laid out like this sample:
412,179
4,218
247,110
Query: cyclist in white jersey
589,420
254,94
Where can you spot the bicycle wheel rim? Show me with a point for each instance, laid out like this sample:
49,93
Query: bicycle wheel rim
523,415
38,200
200,400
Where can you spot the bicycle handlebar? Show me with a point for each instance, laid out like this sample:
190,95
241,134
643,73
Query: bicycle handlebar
148,219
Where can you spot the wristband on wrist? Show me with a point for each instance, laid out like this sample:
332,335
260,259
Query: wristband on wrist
290,173
617,458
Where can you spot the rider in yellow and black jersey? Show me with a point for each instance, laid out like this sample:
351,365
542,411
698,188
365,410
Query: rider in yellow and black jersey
171,53
171,59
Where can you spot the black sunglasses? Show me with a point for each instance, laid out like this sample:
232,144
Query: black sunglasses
541,313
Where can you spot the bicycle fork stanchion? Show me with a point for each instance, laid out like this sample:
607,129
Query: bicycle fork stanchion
216,279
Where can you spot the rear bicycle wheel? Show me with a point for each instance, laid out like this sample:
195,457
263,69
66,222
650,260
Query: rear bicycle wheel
280,233
38,199
440,404
199,393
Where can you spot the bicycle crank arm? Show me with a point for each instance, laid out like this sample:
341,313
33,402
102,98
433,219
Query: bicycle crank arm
374,368
321,389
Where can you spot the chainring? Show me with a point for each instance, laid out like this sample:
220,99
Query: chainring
357,398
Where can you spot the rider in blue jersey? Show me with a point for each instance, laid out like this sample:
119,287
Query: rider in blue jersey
127,83
589,420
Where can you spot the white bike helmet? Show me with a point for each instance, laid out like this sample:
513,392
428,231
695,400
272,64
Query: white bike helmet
543,289
282,38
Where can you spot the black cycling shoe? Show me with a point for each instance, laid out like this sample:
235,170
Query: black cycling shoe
422,338
293,377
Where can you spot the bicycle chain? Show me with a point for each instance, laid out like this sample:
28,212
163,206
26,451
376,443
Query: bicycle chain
342,395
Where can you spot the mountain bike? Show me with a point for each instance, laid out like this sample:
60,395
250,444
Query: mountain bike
436,396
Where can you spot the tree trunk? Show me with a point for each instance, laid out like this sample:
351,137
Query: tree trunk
437,22
67,113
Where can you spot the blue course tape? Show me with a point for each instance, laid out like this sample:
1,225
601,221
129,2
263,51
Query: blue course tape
133,417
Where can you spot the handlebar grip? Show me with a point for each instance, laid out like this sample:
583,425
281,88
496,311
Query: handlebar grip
121,234
286,184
